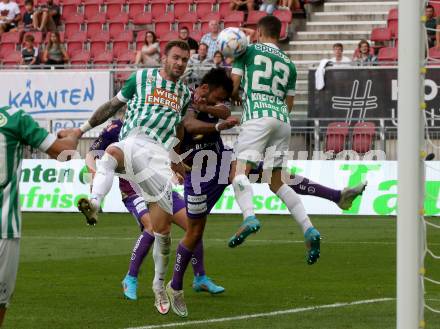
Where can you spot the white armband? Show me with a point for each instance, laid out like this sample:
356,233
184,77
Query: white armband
85,127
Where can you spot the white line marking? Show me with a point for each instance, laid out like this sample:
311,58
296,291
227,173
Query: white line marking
254,241
268,314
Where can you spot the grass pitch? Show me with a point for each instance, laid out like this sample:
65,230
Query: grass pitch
70,274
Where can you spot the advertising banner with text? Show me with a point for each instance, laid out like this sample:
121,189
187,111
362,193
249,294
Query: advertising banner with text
49,94
48,185
358,94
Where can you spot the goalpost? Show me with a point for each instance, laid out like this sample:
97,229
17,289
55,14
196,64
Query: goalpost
410,244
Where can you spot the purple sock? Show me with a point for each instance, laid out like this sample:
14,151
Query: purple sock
183,257
308,187
140,250
197,260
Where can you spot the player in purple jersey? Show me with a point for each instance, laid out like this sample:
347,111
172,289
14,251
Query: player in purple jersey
210,162
136,205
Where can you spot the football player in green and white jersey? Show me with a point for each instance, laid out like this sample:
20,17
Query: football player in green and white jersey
18,129
268,77
156,103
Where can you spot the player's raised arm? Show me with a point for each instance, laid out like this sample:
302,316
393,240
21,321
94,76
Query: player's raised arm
195,126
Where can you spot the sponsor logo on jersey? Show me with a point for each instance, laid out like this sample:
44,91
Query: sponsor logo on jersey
3,120
165,98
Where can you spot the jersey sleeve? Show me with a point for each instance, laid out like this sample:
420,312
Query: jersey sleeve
239,63
291,84
32,134
129,89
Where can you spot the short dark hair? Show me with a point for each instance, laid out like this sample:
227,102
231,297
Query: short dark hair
29,38
270,26
153,34
28,2
429,7
218,78
176,43
184,28
203,44
338,45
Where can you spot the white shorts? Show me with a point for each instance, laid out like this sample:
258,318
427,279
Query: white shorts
147,163
9,254
265,139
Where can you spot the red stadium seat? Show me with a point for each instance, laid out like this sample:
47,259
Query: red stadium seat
183,1
393,14
163,24
70,2
6,49
113,10
11,37
82,57
69,10
135,9
196,35
206,17
394,27
387,54
93,2
120,47
12,58
71,29
98,43
76,42
93,28
224,6
188,20
363,134
181,9
143,19
100,18
254,16
74,18
336,135
170,36
380,34
103,58
203,9
118,23
126,58
126,36
38,36
234,19
285,16
158,9
436,6
121,2
434,53
92,10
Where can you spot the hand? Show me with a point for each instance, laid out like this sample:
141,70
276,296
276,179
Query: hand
71,132
179,171
236,100
229,123
199,103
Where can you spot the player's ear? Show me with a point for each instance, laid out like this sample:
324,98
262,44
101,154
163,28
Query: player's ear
204,88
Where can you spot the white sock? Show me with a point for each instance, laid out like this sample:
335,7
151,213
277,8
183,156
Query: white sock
161,256
244,195
295,206
103,181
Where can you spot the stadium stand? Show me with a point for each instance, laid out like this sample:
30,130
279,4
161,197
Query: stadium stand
336,136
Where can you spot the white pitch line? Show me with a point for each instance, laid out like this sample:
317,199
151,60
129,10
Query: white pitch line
268,314
255,241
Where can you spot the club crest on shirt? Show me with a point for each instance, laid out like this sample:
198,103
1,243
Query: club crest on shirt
165,98
3,120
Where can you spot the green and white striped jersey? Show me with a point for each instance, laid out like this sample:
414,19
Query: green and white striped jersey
268,76
154,105
16,130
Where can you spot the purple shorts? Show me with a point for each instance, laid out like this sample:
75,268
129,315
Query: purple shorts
136,205
201,193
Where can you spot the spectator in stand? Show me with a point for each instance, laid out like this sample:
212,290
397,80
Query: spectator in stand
55,53
286,5
47,17
211,38
339,58
219,59
430,24
242,5
28,15
268,6
184,35
29,53
197,67
149,55
363,55
9,16
201,57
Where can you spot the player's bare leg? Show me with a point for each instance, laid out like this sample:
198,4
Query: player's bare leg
112,160
296,208
244,197
2,314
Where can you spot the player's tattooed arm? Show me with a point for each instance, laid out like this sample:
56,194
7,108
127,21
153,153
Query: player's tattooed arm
105,111
194,126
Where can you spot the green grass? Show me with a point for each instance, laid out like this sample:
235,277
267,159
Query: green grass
69,275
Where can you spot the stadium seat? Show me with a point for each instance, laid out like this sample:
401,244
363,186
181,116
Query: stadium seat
120,47
158,9
336,135
38,36
69,10
181,9
436,6
135,9
74,18
93,28
79,58
163,24
254,16
235,18
117,24
71,29
113,10
91,10
103,58
196,35
387,54
11,37
98,43
126,58
100,18
393,14
70,2
76,42
394,28
121,2
434,53
143,19
170,36
362,138
381,34
204,27
224,6
203,9
285,16
12,58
